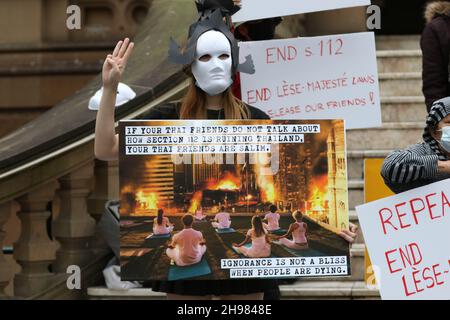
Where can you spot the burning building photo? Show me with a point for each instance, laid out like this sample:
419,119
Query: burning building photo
217,204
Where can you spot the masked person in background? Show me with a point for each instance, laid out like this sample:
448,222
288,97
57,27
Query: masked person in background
257,30
435,44
425,162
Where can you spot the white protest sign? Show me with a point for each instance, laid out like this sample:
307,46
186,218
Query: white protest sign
261,9
328,77
408,237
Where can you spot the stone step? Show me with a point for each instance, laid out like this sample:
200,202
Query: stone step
403,109
328,289
389,136
103,293
400,84
357,262
303,290
399,61
355,193
398,42
355,161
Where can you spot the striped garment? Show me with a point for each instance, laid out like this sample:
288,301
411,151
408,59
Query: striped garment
417,165
411,168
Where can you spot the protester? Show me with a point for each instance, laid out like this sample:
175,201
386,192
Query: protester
260,247
425,162
161,224
206,98
435,44
257,30
298,231
188,246
222,219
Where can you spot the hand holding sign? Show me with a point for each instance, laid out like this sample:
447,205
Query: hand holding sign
444,166
350,234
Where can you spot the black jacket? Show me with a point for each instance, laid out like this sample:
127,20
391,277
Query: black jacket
435,45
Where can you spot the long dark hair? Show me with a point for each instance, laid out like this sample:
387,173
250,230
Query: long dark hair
160,216
257,226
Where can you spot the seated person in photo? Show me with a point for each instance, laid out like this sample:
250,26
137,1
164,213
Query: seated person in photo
222,219
187,246
161,224
426,162
199,214
260,247
272,218
298,231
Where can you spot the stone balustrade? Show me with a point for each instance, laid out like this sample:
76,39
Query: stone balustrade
58,224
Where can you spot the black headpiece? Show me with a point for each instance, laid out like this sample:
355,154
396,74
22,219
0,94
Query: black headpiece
206,7
214,21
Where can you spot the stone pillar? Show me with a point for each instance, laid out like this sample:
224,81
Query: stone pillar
34,251
106,187
5,268
74,227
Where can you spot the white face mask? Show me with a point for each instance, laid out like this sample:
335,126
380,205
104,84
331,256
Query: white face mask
445,139
213,72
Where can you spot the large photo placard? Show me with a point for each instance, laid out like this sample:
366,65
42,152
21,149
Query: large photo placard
408,239
329,77
261,9
215,199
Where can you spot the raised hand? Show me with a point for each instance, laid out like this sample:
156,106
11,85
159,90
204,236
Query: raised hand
115,63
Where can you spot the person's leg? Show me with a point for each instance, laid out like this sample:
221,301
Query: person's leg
291,244
170,253
285,242
251,296
174,255
172,296
242,250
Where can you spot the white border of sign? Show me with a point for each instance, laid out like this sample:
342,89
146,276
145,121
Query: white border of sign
254,9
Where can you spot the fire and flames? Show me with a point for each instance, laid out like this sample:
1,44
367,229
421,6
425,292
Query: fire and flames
319,196
227,181
143,201
195,202
147,201
266,185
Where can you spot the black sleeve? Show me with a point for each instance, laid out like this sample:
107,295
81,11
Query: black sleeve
167,111
256,113
434,66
